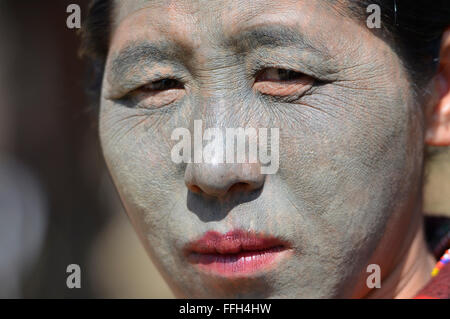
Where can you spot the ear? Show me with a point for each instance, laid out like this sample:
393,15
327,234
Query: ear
438,130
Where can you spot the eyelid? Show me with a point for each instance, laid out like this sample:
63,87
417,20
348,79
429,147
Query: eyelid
179,85
300,61
261,66
276,74
283,87
131,87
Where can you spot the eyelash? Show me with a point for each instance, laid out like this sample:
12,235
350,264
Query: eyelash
162,85
291,74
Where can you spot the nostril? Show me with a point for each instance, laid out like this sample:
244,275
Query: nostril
195,189
240,187
222,180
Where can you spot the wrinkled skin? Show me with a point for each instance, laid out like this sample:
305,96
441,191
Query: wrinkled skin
351,144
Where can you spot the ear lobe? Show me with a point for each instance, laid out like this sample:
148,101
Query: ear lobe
438,131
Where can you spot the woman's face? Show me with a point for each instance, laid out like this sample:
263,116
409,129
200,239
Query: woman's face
349,149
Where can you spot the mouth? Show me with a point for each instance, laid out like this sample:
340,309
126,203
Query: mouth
235,253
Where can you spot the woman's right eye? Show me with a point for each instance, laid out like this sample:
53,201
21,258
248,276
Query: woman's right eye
162,85
158,93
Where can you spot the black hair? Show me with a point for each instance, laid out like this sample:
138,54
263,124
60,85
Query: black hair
414,28
95,35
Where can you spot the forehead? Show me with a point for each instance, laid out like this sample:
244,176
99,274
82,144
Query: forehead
125,8
194,21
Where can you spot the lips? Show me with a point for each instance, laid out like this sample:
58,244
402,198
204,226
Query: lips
235,253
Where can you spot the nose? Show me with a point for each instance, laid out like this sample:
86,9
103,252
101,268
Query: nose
222,180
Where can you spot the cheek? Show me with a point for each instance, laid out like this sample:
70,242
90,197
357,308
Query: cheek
136,144
352,163
359,154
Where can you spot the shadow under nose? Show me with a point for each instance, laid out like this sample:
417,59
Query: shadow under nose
212,208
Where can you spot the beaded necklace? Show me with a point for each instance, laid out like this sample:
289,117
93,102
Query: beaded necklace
445,259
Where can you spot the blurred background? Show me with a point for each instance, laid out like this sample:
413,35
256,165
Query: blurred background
57,203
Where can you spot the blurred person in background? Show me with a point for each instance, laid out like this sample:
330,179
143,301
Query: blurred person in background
50,209
57,205
23,207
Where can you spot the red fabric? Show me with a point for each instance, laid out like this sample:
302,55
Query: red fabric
438,287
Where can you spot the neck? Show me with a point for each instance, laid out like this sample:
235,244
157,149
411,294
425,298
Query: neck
413,269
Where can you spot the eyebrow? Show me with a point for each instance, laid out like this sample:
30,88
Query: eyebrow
272,36
143,53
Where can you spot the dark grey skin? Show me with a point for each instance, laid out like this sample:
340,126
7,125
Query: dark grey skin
348,190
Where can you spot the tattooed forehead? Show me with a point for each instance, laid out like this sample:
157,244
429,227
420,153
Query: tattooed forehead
244,9
192,23
123,9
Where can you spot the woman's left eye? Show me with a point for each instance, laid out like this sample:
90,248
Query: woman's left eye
282,82
274,74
